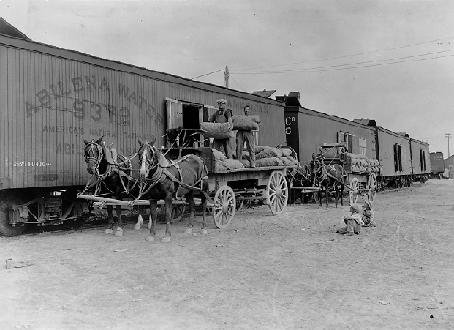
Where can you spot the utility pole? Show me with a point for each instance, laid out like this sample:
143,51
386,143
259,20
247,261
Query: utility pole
226,76
448,136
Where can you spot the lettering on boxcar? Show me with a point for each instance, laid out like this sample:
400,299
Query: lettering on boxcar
59,90
24,163
74,130
80,91
66,148
289,122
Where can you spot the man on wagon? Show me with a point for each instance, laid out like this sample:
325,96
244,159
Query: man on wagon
248,137
223,115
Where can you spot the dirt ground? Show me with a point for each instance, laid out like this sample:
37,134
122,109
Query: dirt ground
264,272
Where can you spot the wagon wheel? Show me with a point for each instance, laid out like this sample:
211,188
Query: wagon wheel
354,191
224,206
277,192
372,187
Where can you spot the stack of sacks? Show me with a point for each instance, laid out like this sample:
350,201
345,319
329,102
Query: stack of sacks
269,156
245,123
216,130
362,164
267,152
223,164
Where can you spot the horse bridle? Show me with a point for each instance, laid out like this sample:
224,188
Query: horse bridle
150,166
91,147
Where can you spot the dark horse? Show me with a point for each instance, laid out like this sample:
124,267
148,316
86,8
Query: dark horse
161,179
112,177
329,177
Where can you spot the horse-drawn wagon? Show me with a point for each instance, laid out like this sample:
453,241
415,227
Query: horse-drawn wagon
360,171
333,168
218,187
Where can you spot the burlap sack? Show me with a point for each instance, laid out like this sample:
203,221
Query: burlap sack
218,156
270,161
216,130
220,167
269,152
289,161
232,164
245,162
286,152
244,123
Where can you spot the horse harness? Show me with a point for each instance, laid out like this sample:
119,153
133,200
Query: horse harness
162,172
112,167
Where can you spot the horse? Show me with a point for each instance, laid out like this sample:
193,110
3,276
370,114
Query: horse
299,177
328,177
112,177
161,179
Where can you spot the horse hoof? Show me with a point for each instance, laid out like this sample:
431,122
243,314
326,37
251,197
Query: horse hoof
108,231
137,226
165,239
119,232
204,231
188,230
150,238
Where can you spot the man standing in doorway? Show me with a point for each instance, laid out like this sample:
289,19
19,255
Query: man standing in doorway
222,115
248,137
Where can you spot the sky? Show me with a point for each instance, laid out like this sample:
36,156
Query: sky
392,61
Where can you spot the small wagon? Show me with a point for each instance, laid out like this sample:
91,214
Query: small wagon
361,171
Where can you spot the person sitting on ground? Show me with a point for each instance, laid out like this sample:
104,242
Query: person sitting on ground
368,215
353,221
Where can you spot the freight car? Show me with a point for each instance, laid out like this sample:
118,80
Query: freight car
52,98
402,159
437,164
420,160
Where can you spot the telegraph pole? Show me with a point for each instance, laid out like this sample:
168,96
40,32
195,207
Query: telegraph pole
448,136
226,76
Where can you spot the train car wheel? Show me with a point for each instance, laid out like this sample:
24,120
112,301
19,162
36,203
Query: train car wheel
6,229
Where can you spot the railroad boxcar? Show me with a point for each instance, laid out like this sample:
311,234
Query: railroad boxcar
394,154
437,164
307,130
52,98
401,159
420,160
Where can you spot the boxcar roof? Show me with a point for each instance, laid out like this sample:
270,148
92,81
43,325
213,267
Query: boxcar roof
332,117
351,122
42,48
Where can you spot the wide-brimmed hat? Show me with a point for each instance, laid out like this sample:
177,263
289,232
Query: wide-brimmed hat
221,101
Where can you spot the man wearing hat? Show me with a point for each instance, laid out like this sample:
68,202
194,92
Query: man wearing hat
248,137
222,115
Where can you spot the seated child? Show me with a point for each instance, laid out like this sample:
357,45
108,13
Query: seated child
353,221
368,215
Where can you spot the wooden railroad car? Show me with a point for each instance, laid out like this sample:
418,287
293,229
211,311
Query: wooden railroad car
52,98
